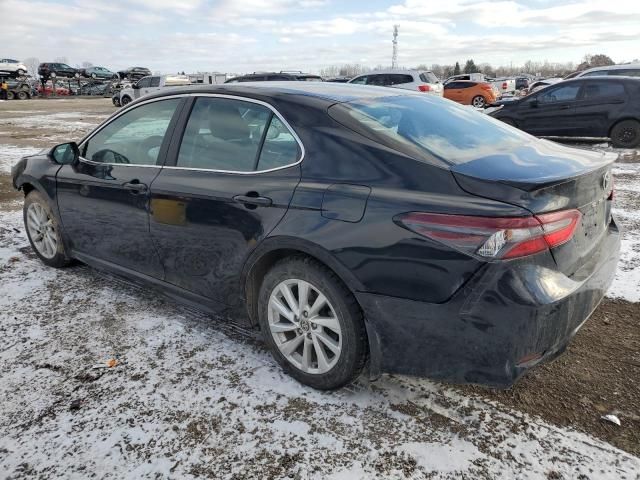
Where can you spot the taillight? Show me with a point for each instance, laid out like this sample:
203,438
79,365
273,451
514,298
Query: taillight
495,237
424,88
504,85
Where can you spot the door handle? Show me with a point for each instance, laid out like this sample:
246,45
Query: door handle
563,107
135,187
251,200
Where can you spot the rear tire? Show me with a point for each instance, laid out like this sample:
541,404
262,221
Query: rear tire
10,95
478,101
125,100
626,134
22,95
43,230
325,355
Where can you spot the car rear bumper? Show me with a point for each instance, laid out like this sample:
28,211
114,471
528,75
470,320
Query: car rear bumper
506,319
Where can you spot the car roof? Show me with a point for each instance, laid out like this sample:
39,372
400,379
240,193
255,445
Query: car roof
631,66
330,92
392,71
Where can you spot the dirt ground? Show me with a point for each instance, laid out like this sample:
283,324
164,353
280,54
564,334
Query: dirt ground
70,327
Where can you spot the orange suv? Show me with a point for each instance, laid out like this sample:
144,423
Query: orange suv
467,92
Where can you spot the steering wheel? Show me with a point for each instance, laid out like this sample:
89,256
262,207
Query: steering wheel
146,146
103,155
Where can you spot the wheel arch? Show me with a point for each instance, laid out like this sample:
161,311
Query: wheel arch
274,249
622,119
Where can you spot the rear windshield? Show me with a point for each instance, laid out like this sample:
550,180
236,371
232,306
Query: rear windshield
423,126
428,77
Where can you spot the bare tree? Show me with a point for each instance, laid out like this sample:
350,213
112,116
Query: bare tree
32,65
86,64
61,60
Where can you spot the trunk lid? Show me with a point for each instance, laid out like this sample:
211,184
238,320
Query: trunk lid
542,177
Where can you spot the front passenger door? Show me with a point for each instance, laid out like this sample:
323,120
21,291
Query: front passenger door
551,112
104,198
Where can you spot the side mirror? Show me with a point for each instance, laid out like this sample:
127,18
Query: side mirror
135,86
65,153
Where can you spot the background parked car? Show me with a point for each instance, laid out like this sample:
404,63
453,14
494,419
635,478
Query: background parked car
628,70
276,77
12,68
420,80
48,90
522,83
581,107
54,70
100,73
148,85
540,84
338,79
134,73
502,86
467,92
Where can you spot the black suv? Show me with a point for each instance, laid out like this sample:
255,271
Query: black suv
276,77
53,70
134,73
582,107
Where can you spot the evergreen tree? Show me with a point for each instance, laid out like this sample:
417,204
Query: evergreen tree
470,67
456,69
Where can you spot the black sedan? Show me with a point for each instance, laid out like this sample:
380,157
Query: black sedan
134,73
601,107
354,226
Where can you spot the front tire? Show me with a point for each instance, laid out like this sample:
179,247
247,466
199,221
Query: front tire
312,324
626,134
22,95
125,100
43,230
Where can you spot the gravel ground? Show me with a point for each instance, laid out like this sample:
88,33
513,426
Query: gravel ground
191,397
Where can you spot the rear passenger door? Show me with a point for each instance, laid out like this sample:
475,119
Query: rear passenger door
596,107
228,182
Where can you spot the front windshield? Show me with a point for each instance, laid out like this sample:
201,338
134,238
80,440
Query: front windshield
454,133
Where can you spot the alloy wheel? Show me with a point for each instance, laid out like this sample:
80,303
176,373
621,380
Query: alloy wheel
304,326
478,102
42,231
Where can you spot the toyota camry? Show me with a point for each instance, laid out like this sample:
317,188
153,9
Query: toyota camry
360,229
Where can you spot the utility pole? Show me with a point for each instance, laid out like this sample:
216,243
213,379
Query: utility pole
394,58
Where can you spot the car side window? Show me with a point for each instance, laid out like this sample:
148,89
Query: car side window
566,93
603,90
377,80
155,81
467,85
398,79
360,80
144,82
280,147
223,134
625,73
134,137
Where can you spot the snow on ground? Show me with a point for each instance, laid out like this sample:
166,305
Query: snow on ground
10,154
192,397
626,284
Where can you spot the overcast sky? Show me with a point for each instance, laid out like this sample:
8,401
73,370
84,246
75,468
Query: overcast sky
246,35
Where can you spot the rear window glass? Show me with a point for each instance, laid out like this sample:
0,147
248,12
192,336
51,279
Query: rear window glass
428,77
424,126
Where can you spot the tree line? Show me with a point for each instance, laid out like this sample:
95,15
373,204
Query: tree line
537,69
